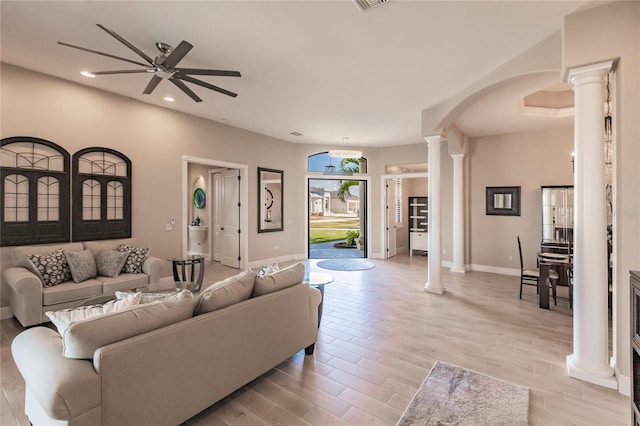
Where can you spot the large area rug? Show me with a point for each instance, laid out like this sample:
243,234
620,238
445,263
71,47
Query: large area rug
346,264
452,395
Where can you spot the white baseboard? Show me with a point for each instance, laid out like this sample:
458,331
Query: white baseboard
624,382
495,270
5,313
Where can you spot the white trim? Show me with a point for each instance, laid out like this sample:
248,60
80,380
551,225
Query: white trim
5,313
624,382
244,202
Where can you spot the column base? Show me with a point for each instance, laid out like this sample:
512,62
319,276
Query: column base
602,376
435,290
458,270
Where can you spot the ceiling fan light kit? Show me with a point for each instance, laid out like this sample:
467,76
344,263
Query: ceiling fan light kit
163,66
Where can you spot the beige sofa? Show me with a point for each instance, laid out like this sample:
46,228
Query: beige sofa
29,300
169,374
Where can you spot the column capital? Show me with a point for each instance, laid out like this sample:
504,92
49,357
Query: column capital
589,71
458,156
433,139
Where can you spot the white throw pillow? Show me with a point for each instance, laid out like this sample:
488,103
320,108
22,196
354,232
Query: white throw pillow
64,318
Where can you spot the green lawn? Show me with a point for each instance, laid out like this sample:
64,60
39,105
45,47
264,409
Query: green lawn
331,231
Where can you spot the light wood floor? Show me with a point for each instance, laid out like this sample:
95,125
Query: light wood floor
380,335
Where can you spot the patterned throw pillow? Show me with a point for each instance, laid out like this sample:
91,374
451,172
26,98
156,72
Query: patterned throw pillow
110,262
52,268
136,258
82,265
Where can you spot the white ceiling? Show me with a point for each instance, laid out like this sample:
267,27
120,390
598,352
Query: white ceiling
321,68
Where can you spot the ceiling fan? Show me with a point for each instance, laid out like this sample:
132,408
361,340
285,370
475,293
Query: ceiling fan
163,66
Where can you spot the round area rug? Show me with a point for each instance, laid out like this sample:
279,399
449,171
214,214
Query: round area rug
346,264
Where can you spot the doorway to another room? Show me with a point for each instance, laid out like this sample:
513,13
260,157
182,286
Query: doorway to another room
405,224
215,213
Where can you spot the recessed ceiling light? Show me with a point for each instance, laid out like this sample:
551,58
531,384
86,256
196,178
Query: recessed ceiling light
169,99
87,74
296,133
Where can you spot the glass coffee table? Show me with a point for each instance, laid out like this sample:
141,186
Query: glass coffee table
319,280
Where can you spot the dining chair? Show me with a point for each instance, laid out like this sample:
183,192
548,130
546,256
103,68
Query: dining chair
532,276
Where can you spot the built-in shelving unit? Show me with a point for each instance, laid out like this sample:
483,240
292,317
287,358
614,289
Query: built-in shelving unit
418,224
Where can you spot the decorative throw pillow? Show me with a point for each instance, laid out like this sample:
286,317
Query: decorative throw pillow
81,264
110,263
52,268
284,278
227,292
83,338
136,258
268,269
64,318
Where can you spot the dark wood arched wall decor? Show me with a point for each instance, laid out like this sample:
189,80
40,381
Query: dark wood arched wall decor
38,205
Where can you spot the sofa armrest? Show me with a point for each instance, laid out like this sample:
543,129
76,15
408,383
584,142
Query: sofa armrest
64,388
315,297
25,299
24,282
153,266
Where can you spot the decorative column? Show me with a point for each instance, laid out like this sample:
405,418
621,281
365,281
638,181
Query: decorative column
589,361
434,277
458,214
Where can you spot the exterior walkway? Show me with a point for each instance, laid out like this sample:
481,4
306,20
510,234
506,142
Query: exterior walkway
328,251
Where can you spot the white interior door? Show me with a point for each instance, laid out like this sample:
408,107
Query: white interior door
217,216
391,220
230,219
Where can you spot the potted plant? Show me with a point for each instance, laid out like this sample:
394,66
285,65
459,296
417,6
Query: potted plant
351,237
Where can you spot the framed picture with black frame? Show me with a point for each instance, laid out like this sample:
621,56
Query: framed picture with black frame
503,201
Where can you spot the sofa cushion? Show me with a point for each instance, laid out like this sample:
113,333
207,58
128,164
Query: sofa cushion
278,280
122,282
227,292
64,318
82,265
70,291
136,258
52,268
82,338
109,263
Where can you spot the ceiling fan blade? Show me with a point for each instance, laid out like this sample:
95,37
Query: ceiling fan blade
155,80
205,84
185,89
118,72
126,43
197,71
177,54
102,53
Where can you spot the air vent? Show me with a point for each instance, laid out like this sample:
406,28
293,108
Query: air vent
296,133
365,5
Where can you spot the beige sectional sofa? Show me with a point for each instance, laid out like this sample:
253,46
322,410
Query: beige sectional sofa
166,375
29,299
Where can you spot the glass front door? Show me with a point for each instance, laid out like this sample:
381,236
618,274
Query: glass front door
337,218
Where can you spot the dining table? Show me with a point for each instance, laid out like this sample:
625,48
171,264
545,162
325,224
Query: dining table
546,261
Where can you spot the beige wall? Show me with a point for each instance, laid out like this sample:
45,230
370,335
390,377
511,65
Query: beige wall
610,32
529,160
156,139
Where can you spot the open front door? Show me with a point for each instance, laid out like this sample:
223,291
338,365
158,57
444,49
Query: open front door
230,219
